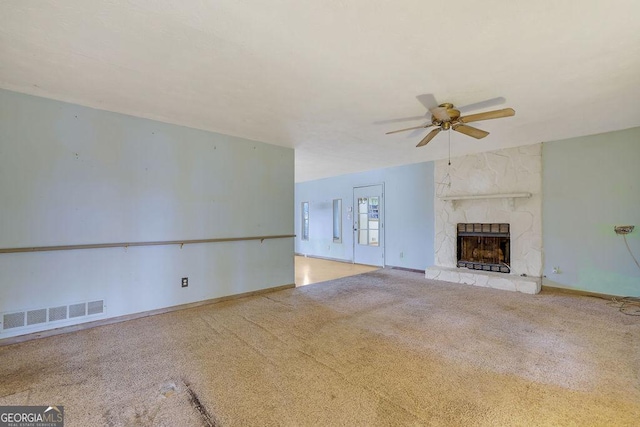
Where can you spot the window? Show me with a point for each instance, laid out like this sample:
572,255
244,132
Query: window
368,219
337,220
305,220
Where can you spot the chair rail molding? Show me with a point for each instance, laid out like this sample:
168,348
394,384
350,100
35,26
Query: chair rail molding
134,244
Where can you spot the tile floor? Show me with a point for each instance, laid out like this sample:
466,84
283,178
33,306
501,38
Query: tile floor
314,270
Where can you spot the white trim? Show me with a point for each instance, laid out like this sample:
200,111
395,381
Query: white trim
511,198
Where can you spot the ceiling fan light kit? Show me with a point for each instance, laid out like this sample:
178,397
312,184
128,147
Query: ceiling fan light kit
446,117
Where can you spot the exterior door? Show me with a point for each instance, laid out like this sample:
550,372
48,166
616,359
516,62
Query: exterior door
368,225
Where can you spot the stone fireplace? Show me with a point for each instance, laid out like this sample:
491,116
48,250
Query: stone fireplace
498,192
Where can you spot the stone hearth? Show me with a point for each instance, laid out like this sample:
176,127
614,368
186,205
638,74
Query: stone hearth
527,285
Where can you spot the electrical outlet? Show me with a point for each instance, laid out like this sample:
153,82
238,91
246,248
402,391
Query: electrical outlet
185,282
556,270
401,254
623,229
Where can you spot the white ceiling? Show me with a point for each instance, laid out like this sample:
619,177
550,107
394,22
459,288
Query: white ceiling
326,76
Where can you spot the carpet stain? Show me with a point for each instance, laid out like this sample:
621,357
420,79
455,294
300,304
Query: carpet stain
168,389
207,419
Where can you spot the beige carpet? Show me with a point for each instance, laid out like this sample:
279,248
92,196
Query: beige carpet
383,348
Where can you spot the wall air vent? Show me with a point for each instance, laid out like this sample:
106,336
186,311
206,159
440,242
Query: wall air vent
13,320
77,310
36,316
57,313
42,316
95,307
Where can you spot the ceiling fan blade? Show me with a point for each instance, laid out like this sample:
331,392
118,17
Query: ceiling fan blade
428,100
471,131
401,119
415,127
493,102
415,133
496,114
440,113
428,138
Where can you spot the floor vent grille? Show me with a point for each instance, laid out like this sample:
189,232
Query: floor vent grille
40,316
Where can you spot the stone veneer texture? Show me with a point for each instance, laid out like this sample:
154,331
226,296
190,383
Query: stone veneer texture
511,170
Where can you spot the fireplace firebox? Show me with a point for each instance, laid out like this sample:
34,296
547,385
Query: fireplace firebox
484,247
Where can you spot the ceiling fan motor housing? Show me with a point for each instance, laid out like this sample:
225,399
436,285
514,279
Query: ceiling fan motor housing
453,114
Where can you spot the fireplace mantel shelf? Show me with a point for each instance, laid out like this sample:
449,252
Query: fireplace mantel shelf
510,197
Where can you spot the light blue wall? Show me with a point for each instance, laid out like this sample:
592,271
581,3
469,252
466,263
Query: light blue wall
408,214
75,175
591,184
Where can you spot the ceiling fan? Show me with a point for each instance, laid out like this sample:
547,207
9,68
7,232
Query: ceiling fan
445,117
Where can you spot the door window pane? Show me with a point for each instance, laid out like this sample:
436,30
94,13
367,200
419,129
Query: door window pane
373,237
362,237
363,204
363,222
374,211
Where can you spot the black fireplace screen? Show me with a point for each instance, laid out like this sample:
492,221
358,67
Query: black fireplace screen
484,247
